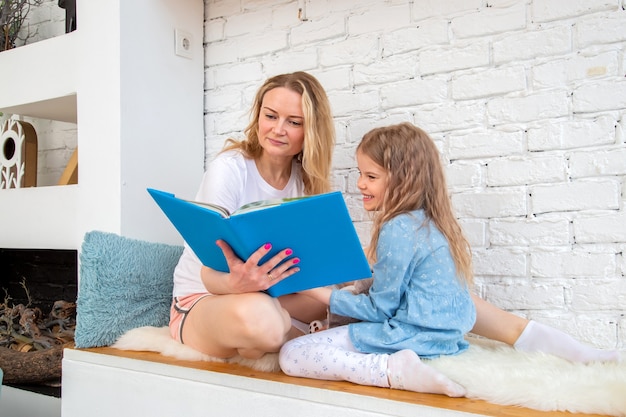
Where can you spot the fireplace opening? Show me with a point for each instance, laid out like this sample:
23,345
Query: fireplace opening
38,290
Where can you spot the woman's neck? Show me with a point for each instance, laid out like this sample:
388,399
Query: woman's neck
276,171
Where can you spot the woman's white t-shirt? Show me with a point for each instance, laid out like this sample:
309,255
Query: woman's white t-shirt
230,181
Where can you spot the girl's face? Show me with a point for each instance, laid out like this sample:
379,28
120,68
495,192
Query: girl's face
372,182
281,122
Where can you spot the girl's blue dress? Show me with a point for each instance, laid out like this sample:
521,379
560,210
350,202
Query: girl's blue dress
416,301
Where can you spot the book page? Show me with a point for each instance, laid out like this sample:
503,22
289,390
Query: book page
213,207
260,205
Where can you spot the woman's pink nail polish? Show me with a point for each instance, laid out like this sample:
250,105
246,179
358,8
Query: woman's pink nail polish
295,261
268,246
288,252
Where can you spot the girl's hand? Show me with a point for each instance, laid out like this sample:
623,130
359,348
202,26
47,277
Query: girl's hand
249,276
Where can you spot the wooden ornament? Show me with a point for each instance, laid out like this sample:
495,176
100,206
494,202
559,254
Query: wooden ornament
18,155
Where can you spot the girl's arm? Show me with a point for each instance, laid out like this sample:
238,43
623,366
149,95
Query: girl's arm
396,252
303,308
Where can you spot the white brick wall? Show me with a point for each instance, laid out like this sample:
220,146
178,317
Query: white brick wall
525,99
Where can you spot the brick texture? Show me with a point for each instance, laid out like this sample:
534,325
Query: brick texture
526,101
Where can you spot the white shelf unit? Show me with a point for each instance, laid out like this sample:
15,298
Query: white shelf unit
138,107
40,79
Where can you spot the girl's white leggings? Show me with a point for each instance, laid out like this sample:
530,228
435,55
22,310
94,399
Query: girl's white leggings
330,355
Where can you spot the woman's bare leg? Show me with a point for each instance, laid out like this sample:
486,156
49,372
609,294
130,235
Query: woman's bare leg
531,336
303,308
497,324
250,325
537,337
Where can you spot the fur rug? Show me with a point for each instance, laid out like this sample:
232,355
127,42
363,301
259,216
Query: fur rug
489,370
158,339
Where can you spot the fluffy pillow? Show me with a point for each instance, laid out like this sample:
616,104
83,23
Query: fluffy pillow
124,284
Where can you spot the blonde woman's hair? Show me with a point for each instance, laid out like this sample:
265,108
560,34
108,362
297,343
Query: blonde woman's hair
415,181
319,130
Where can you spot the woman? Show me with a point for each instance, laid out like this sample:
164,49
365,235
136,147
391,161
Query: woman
287,153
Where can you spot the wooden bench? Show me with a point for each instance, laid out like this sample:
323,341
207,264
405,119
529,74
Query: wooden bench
107,382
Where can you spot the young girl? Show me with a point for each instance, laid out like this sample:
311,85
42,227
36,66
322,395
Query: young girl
419,304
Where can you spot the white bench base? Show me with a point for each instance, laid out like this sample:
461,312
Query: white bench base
106,382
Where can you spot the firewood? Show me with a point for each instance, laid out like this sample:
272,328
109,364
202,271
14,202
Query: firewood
31,367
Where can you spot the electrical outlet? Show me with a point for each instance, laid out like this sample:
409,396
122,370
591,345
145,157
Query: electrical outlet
302,10
183,43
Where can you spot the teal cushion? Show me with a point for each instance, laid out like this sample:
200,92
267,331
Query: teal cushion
124,284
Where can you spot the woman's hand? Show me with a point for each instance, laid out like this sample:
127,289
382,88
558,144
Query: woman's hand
249,276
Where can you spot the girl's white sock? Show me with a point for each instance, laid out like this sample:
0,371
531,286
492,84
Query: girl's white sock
407,372
538,337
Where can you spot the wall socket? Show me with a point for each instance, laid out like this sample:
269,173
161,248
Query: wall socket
183,43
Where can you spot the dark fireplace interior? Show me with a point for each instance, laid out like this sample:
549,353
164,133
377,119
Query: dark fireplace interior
37,279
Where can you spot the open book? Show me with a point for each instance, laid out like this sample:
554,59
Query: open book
317,228
257,205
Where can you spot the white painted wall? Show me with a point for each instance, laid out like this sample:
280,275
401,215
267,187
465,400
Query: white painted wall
142,113
525,99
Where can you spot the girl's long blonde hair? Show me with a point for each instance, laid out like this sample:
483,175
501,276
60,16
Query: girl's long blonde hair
319,130
415,181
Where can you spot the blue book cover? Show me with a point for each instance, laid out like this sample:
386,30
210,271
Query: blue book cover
317,228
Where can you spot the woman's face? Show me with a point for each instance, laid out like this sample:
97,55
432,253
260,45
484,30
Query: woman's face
281,122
